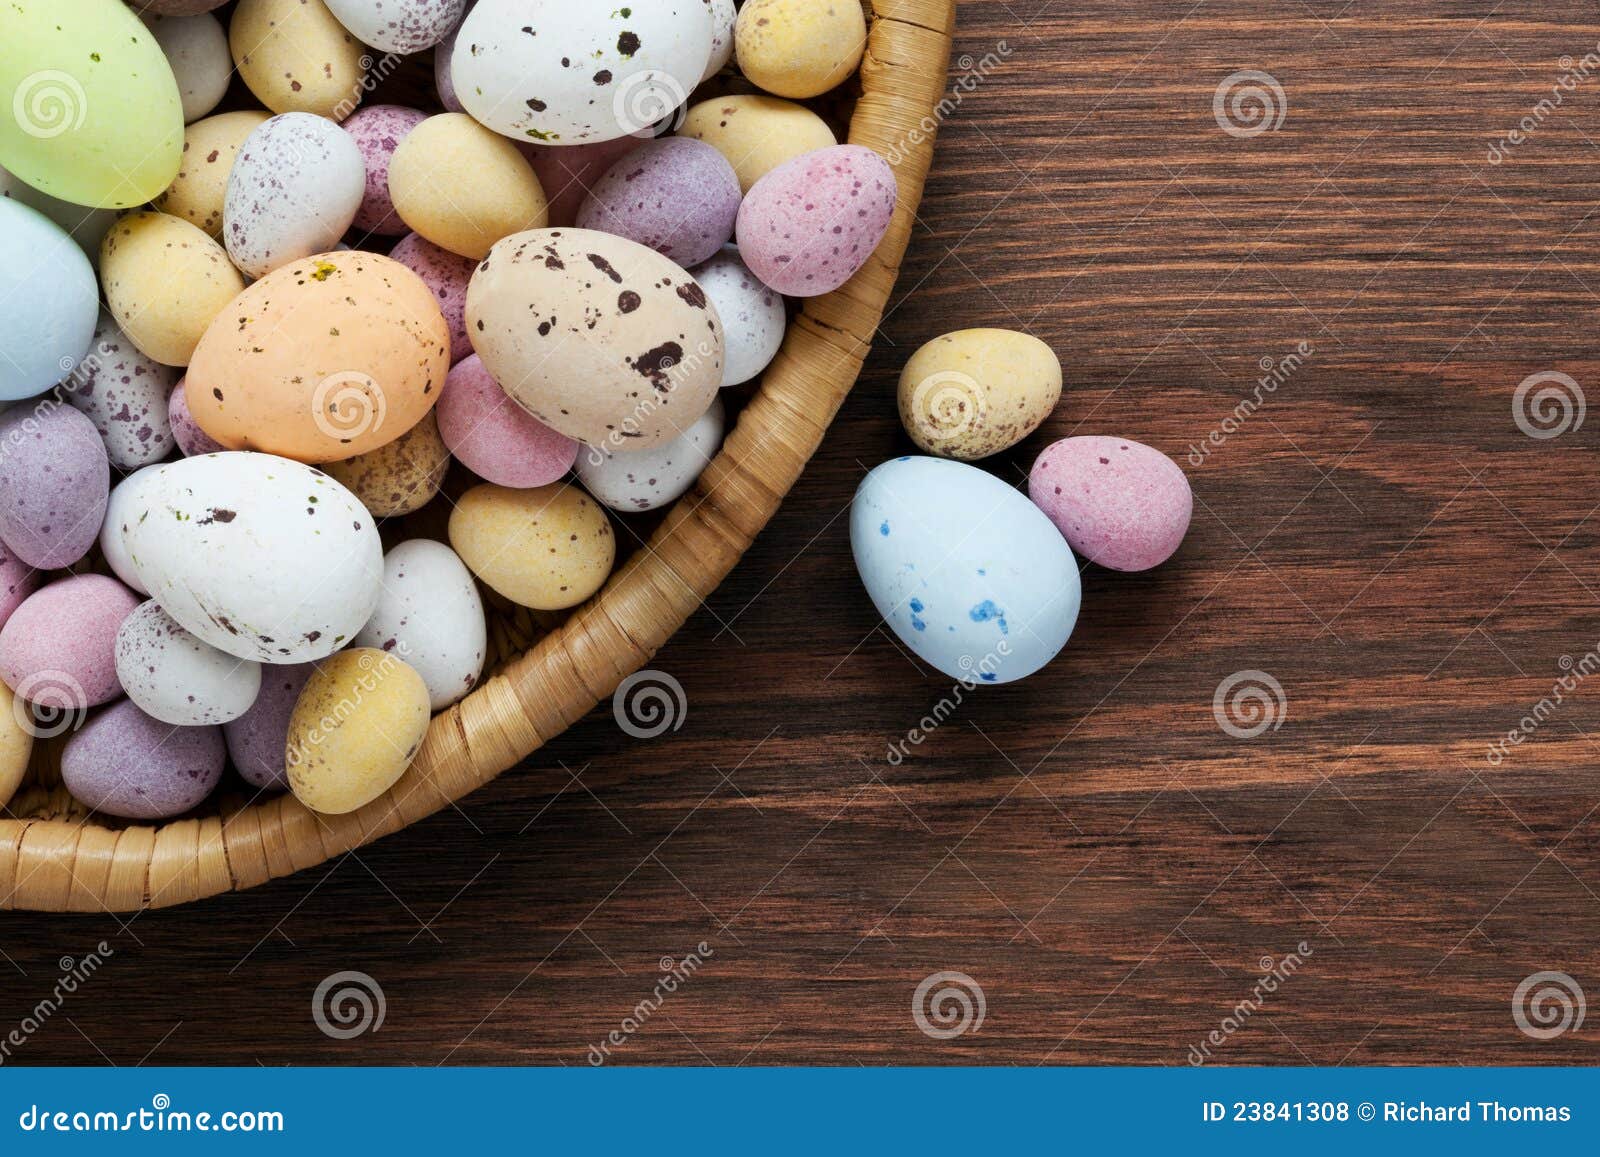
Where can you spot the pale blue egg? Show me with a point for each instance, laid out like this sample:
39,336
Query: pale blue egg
49,301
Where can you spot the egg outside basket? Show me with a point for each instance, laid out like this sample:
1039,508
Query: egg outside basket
56,858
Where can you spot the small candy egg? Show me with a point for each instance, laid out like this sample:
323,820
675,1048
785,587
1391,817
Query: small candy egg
58,649
18,580
462,186
567,174
811,223
447,275
191,439
356,728
494,437
199,191
54,484
111,530
257,739
402,26
799,48
294,190
675,195
296,57
548,548
322,359
165,280
753,317
723,17
976,392
197,49
443,75
757,133
378,131
1121,504
16,745
175,677
124,763
85,226
646,479
49,291
399,477
124,394
430,615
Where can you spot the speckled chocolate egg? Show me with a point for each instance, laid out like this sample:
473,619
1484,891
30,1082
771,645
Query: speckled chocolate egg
976,392
48,289
165,280
403,26
378,130
724,15
197,49
295,188
800,48
462,186
58,649
175,677
399,477
547,548
754,319
568,173
111,543
296,57
494,437
757,133
593,72
447,275
1119,503
18,580
256,740
596,336
16,745
124,763
191,439
322,359
124,394
54,480
675,195
431,616
646,479
200,189
811,223
261,557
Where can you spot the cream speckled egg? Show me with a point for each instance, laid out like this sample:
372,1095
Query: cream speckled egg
463,187
176,678
400,477
197,49
16,745
800,48
757,133
295,188
201,187
124,393
646,479
976,392
548,548
430,615
296,57
165,280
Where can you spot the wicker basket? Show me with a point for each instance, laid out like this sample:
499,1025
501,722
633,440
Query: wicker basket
55,858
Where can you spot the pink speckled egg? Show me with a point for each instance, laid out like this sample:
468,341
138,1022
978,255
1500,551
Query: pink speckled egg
568,173
807,226
125,763
258,739
191,439
378,131
54,481
494,437
1118,503
18,580
59,648
676,195
446,275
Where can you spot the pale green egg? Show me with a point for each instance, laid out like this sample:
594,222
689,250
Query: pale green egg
89,108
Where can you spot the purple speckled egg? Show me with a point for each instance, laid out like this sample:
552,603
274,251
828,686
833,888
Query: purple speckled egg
1118,503
18,580
258,738
567,173
676,195
807,226
494,437
446,274
378,130
54,480
124,394
191,439
59,648
125,763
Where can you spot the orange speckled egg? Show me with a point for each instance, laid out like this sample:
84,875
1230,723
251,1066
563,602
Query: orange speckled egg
323,359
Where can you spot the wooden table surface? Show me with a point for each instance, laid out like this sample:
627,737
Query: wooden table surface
1108,865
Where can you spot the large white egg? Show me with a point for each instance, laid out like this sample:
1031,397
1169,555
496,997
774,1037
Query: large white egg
646,479
295,188
51,301
430,616
175,677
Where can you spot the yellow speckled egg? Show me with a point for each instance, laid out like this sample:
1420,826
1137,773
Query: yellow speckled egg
400,478
976,392
355,729
322,359
16,744
548,548
296,57
165,280
799,48
209,146
464,187
757,133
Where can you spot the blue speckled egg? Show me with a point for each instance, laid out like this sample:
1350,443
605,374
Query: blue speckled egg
968,572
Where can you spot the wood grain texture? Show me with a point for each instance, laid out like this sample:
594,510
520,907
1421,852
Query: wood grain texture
1090,846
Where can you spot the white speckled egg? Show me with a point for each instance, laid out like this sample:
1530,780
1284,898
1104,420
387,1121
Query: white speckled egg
970,574
261,557
403,26
50,296
175,677
646,479
295,188
124,393
723,18
197,49
430,615
753,316
111,541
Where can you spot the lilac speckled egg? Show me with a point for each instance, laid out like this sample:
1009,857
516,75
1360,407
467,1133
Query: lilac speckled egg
59,647
494,437
54,481
191,439
18,580
258,739
676,195
807,226
567,174
125,763
1120,504
177,678
446,274
378,130
753,316
124,393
